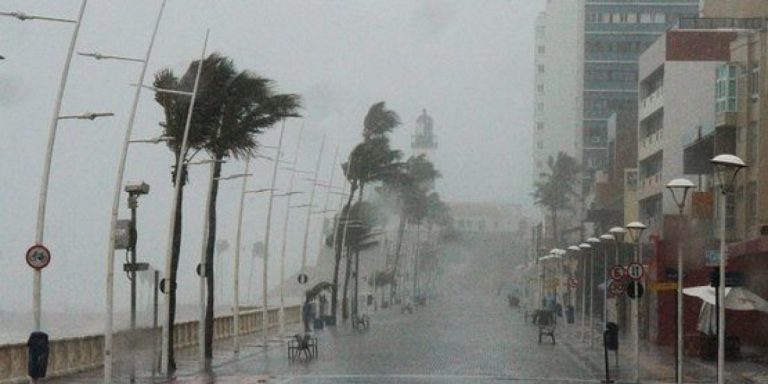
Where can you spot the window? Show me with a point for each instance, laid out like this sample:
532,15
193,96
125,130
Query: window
540,107
632,18
593,17
605,18
615,18
540,68
659,18
623,18
645,18
540,145
540,88
754,81
539,126
540,49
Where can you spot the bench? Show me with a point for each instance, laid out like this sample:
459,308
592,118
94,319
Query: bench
302,344
546,322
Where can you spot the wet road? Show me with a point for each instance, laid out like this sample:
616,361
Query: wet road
467,335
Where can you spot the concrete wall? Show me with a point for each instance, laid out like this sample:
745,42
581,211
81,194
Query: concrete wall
734,8
77,354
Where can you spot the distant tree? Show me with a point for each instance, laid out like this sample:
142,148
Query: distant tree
557,188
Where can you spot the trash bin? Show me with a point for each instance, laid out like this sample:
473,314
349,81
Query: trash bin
37,355
569,314
611,336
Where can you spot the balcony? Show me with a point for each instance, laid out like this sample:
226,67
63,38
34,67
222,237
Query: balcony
649,186
651,103
650,144
726,119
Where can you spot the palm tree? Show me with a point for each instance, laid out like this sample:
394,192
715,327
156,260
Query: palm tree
232,108
410,187
371,160
557,187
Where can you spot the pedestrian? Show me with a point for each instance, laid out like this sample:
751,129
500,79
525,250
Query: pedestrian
307,315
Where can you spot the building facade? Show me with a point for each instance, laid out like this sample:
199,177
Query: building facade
615,33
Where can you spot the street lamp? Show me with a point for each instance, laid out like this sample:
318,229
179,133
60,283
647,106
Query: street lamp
679,189
727,167
592,241
585,249
43,196
618,235
605,239
310,205
636,229
134,190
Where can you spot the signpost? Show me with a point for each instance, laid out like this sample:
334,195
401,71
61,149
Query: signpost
617,272
635,271
616,288
302,278
38,256
635,286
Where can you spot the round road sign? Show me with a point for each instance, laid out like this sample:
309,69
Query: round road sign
616,288
635,271
617,272
38,256
631,289
302,278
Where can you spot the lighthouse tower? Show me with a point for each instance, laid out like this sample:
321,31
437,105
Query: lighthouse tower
424,141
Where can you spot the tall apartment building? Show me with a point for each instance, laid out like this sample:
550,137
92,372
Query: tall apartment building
677,96
616,32
557,88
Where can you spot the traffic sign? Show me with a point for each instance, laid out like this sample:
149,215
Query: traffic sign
302,278
38,256
617,272
635,271
573,282
667,286
631,289
616,288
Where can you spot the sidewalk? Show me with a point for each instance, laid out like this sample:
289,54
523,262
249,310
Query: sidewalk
657,363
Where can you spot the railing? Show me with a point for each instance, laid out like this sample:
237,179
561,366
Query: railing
77,354
651,103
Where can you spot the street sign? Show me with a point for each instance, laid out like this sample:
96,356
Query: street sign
164,286
712,258
302,278
38,256
671,274
635,271
573,282
631,289
668,286
616,288
617,272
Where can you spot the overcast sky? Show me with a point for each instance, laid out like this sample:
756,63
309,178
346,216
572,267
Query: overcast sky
469,63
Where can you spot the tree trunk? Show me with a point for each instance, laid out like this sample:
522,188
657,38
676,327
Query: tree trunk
398,247
175,253
339,250
345,296
209,262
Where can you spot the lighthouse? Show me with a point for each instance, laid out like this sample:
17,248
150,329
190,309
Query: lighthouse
424,141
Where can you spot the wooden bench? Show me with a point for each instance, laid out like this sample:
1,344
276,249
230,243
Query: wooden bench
302,344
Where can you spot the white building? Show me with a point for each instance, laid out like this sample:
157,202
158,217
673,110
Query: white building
677,95
557,85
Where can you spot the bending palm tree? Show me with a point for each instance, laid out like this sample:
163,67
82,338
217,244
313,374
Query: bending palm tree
557,187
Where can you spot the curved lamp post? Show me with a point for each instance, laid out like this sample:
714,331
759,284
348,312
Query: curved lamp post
618,235
679,189
727,167
635,230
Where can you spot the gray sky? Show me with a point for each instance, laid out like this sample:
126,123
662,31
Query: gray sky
469,63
